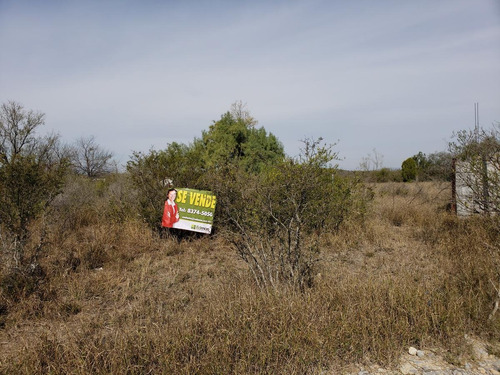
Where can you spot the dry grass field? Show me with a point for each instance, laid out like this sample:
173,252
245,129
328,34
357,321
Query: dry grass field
113,298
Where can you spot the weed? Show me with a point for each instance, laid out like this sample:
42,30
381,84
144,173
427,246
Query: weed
160,305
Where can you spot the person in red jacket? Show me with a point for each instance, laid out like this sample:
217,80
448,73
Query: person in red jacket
171,211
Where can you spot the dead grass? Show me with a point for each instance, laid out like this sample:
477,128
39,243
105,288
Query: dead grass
118,299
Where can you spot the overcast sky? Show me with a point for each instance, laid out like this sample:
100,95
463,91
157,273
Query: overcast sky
395,76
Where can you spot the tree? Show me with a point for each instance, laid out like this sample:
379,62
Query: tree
31,168
421,161
435,166
235,139
17,131
372,162
90,159
409,170
439,167
240,111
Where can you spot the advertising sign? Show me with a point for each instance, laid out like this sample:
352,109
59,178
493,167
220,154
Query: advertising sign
195,208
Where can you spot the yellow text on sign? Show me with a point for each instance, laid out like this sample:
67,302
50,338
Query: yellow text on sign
197,199
202,200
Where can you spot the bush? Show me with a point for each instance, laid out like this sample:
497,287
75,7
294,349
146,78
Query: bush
32,168
85,201
409,170
153,173
276,219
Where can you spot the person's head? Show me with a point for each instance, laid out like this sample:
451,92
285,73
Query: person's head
171,194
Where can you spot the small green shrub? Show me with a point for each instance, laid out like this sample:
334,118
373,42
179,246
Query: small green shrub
409,170
276,219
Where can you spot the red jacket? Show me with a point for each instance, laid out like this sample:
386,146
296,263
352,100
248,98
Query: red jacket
170,215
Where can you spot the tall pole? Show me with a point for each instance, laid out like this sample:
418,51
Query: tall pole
476,121
484,165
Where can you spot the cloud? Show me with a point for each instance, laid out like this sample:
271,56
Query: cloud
396,76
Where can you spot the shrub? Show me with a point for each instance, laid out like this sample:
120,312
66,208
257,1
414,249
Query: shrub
409,170
153,173
31,168
276,219
85,201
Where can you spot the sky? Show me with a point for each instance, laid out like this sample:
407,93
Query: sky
389,78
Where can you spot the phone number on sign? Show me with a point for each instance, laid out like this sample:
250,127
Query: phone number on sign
198,212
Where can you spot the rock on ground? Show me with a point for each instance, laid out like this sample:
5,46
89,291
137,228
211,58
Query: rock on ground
429,362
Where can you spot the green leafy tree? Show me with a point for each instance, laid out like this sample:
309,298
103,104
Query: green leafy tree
235,139
409,169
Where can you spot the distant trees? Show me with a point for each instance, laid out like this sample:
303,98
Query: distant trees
372,162
409,169
439,167
422,163
90,159
422,167
32,168
372,169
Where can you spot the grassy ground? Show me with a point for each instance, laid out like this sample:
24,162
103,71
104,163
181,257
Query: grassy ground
117,299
